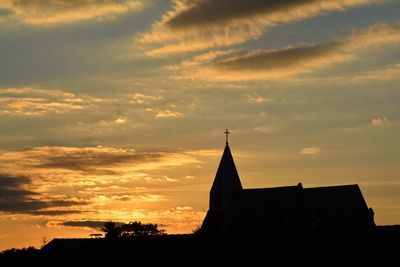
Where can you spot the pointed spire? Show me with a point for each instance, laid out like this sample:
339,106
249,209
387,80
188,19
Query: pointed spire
226,182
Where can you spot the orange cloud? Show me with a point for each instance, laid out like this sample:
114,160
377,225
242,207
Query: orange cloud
139,98
98,160
32,101
121,120
199,60
203,24
44,12
17,197
379,121
168,114
310,151
256,99
388,73
37,101
209,12
98,183
104,170
292,60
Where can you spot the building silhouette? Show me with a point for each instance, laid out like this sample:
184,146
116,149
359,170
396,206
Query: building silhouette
281,223
258,211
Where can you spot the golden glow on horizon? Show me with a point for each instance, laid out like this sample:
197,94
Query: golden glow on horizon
102,183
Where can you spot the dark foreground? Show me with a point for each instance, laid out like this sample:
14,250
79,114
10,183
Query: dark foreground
380,245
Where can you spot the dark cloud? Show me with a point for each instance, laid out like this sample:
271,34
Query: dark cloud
65,203
209,12
7,180
11,186
90,159
194,25
278,59
91,224
124,198
33,207
20,205
14,198
11,193
52,212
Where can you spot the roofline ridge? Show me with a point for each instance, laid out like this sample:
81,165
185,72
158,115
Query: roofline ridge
263,188
330,186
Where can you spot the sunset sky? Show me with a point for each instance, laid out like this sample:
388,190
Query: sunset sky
115,109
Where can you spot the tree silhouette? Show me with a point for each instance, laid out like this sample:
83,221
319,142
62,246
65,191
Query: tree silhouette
131,229
140,229
197,230
111,230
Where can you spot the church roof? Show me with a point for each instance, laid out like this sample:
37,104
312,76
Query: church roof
344,197
227,170
329,207
265,208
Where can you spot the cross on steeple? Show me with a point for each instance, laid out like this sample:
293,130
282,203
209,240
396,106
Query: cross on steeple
226,133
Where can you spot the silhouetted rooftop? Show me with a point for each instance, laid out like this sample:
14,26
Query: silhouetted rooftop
287,208
227,168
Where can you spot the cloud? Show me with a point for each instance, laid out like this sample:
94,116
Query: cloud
379,121
37,101
97,225
210,12
45,12
11,186
268,129
52,212
99,183
310,151
38,92
7,181
203,24
256,99
387,73
199,60
277,59
83,166
165,178
168,114
205,153
181,219
269,64
137,198
293,60
82,159
139,98
45,102
121,120
16,197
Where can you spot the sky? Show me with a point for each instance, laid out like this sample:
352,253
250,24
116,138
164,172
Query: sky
116,109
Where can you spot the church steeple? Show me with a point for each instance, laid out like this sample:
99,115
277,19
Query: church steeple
226,181
226,135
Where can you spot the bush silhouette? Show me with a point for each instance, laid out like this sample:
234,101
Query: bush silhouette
131,229
111,230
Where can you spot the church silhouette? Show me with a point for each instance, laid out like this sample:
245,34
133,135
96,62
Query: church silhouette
289,222
281,209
